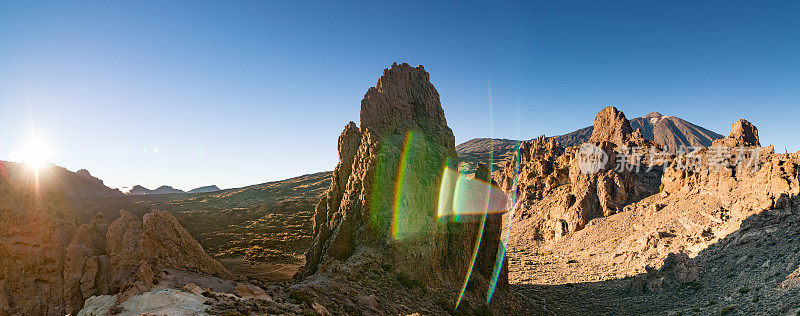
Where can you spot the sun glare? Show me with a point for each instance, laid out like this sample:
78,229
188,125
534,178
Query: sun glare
36,154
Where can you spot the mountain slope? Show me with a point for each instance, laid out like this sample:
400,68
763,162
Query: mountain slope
260,230
205,189
54,178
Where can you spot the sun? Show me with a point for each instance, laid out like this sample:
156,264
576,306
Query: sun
36,154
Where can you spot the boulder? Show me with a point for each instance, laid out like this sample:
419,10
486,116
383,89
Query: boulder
161,242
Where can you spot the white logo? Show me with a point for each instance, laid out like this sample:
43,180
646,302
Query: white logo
591,158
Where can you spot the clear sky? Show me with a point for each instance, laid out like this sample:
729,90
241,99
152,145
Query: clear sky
235,93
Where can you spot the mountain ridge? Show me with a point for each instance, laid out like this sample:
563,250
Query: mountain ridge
670,132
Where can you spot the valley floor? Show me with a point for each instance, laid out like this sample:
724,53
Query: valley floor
755,270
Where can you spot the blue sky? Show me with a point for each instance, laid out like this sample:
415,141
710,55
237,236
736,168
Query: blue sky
236,93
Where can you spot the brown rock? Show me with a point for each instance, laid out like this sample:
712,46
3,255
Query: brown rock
385,189
558,193
249,291
160,241
743,133
193,288
42,258
143,280
612,126
678,269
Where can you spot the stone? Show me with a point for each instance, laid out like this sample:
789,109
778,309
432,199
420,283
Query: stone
249,291
384,193
611,125
193,288
743,133
677,269
320,309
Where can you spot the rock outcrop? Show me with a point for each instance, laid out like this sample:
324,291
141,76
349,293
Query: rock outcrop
157,242
743,133
561,193
50,264
610,125
384,192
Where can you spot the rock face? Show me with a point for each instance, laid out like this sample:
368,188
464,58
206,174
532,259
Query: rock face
610,125
740,173
50,264
743,133
385,187
556,195
159,241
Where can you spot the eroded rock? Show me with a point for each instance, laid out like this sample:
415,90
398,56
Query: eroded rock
385,187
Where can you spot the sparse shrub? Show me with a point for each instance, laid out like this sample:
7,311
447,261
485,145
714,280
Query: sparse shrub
727,310
209,294
743,290
755,299
691,286
484,310
407,281
444,304
299,297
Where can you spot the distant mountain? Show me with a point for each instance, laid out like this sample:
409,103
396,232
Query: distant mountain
58,179
481,149
208,188
140,190
671,132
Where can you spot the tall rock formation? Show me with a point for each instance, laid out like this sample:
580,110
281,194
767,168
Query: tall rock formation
610,125
384,192
743,133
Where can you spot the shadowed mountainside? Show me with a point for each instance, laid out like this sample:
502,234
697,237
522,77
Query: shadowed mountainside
54,178
242,227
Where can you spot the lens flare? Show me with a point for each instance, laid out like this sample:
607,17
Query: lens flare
400,227
505,233
508,218
461,196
